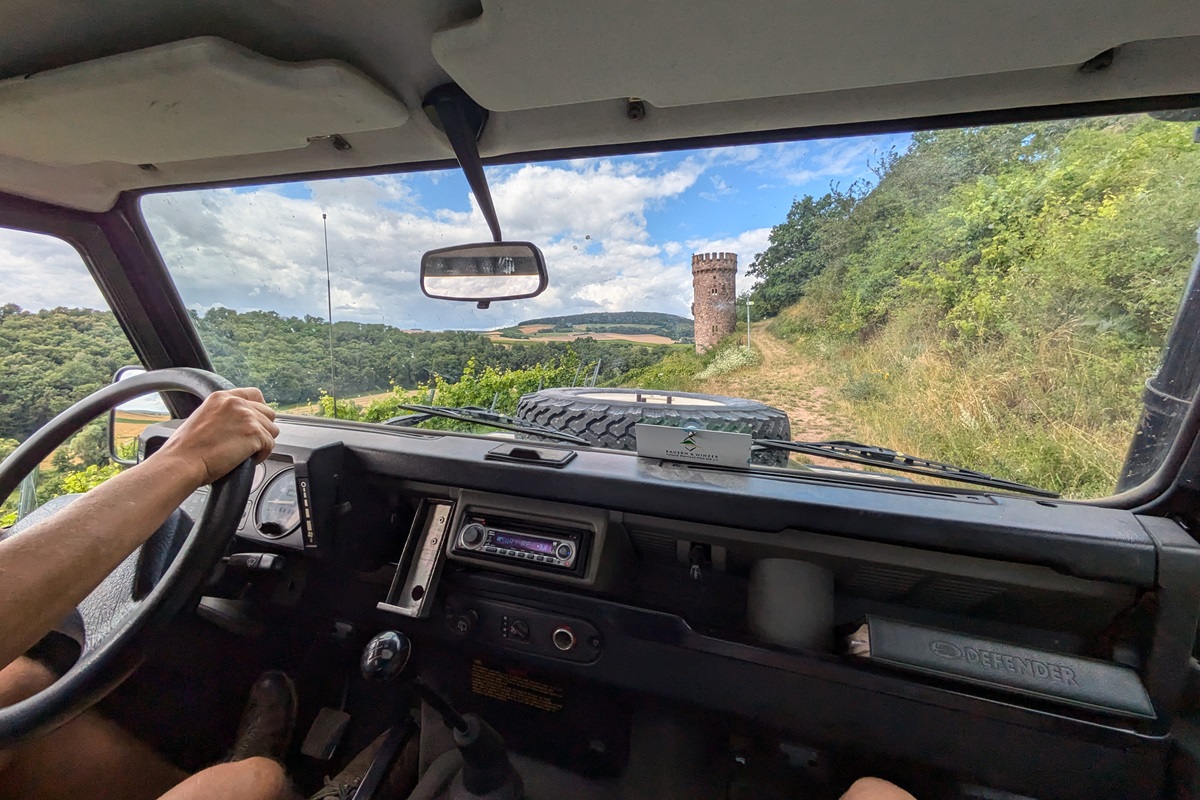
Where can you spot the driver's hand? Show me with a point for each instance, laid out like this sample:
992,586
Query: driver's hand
225,430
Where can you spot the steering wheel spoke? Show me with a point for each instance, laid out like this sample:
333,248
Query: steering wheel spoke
109,604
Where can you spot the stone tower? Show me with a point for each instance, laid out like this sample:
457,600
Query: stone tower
714,295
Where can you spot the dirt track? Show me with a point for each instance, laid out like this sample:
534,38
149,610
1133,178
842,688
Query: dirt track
785,380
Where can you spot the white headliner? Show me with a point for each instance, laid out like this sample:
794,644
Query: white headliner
556,75
711,51
180,101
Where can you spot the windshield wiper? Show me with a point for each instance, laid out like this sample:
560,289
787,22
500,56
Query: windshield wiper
481,416
890,459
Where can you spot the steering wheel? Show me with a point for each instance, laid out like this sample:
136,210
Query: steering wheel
124,613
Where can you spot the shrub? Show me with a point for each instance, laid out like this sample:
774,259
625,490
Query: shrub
728,359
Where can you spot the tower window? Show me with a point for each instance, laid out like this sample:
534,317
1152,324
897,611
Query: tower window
714,291
714,330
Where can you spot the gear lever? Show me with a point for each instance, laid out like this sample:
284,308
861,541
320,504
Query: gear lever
386,656
382,660
486,769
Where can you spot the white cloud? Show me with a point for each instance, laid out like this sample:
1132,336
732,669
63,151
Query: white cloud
797,163
604,200
38,271
390,189
262,248
846,158
747,245
719,190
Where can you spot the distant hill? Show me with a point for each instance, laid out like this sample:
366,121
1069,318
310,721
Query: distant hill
51,358
631,322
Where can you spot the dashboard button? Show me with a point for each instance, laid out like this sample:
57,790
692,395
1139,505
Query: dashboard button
490,549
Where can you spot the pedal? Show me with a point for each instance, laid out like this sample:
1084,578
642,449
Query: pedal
325,734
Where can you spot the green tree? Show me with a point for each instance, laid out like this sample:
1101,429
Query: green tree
797,251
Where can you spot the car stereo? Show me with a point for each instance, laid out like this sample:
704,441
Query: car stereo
523,543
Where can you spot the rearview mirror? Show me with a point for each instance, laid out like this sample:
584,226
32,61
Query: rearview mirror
481,273
129,419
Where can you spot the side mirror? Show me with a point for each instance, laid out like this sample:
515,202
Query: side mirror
128,420
482,273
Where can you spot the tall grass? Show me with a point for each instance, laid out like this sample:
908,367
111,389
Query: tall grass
1003,312
684,369
1057,411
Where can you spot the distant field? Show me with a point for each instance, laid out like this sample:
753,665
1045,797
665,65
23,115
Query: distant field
130,423
362,401
641,338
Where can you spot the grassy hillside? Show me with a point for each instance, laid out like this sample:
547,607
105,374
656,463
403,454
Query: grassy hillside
998,298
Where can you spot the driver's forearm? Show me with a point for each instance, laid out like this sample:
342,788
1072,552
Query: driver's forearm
47,569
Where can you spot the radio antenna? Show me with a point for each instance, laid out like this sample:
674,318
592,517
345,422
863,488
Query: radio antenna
329,302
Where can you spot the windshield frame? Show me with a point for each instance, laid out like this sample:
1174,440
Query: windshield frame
1145,496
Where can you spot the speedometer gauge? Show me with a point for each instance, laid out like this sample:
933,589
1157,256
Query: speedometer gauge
277,512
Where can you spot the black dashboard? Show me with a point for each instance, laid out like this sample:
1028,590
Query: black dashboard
1061,631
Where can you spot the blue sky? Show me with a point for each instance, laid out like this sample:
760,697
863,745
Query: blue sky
618,233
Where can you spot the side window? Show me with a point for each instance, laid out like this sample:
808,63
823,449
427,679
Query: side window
59,342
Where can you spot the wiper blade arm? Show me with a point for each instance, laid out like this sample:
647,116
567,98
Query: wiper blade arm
481,416
871,455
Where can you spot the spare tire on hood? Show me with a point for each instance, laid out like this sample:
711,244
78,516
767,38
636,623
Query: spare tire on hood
605,417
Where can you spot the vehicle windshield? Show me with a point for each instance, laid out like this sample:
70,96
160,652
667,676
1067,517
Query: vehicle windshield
992,297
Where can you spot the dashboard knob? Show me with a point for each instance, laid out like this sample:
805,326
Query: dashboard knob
564,552
472,535
464,624
519,630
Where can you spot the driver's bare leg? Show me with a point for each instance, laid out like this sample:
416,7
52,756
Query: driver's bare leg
95,758
251,779
89,757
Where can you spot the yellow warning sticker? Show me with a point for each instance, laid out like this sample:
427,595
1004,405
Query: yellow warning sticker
514,688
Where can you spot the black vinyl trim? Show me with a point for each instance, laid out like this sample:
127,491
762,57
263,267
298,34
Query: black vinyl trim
1177,611
828,700
1076,539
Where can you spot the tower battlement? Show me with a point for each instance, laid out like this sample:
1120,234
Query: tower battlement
714,297
707,261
